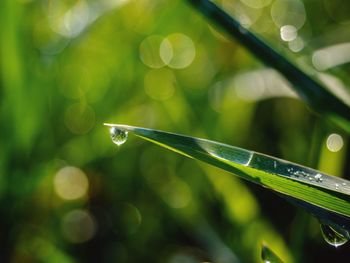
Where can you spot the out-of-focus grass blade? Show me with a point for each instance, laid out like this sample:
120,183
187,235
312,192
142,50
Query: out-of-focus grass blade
268,255
314,93
292,180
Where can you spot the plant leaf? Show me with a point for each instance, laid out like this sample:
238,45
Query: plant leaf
321,99
302,184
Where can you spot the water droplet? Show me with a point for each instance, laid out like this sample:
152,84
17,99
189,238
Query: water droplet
343,184
336,186
268,256
118,136
300,173
332,237
318,178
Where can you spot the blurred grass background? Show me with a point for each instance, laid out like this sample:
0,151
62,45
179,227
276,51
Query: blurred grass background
67,194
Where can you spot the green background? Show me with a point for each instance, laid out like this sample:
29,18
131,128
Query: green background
68,194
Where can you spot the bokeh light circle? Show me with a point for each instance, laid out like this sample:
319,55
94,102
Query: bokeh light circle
78,226
288,12
335,142
70,183
288,32
149,51
177,51
79,118
176,193
296,44
256,3
245,14
131,218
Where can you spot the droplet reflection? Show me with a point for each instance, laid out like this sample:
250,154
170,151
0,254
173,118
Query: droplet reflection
318,178
118,136
332,237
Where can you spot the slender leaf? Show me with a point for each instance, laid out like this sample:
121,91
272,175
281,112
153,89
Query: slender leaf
314,93
303,184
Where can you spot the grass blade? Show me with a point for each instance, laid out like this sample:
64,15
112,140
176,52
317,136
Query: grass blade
314,93
292,180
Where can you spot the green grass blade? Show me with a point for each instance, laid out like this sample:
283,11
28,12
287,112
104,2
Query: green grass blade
314,93
289,179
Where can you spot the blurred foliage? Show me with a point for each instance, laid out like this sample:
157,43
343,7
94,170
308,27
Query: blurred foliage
68,195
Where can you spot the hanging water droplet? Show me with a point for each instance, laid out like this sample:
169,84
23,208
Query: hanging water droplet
318,178
268,256
118,136
332,237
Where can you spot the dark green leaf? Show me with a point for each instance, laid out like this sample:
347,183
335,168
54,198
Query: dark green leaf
290,179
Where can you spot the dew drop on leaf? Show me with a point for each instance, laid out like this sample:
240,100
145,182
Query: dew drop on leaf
118,136
268,256
318,178
332,237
